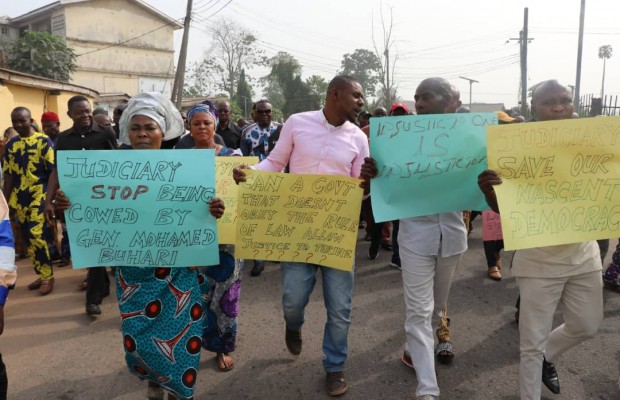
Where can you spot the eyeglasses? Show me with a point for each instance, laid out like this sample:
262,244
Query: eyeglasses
263,111
223,111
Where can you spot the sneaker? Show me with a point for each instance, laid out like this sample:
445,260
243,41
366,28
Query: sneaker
373,251
427,397
395,262
335,383
293,341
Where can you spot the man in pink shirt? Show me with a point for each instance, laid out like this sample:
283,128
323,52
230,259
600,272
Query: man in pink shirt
321,142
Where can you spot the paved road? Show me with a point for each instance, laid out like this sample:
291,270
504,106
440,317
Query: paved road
54,351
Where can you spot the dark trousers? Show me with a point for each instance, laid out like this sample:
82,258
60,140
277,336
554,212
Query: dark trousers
491,249
98,285
4,381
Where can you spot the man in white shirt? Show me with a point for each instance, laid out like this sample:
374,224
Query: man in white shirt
430,249
567,275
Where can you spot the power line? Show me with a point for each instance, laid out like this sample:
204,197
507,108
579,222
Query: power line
128,40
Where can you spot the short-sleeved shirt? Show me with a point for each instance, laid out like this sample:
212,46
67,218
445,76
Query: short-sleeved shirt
29,161
96,138
259,141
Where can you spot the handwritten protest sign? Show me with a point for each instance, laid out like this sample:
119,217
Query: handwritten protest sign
226,189
303,218
560,180
140,208
428,164
491,226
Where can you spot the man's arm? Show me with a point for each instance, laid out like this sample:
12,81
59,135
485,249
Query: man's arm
52,187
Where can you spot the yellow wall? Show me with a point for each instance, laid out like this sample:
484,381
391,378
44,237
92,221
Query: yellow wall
37,101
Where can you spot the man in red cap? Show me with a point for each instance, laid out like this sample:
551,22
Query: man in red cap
51,125
398,109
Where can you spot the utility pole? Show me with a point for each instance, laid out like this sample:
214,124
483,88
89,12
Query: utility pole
579,53
179,78
523,41
471,82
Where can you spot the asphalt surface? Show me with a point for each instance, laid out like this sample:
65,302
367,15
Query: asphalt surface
53,350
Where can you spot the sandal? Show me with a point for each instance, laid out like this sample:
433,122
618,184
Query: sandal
224,366
444,353
494,274
406,359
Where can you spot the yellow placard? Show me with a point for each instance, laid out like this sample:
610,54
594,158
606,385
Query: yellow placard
560,180
300,218
226,189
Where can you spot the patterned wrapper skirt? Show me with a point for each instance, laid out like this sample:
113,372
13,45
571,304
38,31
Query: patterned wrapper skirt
161,313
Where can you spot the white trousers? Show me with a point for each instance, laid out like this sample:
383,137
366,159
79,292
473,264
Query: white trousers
426,284
580,298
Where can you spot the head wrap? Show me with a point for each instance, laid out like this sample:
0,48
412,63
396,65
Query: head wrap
157,107
205,106
49,116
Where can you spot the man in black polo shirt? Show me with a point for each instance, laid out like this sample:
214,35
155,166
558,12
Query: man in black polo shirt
228,130
85,134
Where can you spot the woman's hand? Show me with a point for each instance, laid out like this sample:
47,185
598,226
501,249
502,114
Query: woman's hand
239,173
216,207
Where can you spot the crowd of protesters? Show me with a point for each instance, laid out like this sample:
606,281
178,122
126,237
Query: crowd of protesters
333,140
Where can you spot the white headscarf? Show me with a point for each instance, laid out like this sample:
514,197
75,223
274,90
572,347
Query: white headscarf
157,107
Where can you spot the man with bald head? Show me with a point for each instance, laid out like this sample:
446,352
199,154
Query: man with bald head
228,130
567,275
430,250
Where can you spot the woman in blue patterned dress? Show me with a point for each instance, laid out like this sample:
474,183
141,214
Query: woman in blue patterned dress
161,308
222,283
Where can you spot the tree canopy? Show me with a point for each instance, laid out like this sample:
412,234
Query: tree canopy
42,54
365,66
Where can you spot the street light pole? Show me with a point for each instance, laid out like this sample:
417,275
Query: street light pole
471,82
245,106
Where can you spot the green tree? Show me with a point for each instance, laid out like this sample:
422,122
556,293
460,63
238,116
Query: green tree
317,88
233,50
243,95
285,88
365,66
42,54
605,53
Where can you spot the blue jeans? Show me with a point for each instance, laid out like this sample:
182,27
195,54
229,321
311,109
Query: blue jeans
298,281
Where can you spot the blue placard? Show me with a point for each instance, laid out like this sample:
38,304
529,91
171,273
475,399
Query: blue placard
428,164
140,208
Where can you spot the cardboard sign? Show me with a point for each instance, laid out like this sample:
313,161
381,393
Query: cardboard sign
428,164
560,180
142,208
302,218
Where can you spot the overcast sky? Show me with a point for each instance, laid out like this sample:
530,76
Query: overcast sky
445,38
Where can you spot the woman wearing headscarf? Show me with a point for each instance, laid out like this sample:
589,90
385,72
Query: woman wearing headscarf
222,283
149,119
